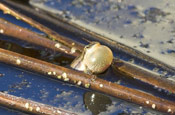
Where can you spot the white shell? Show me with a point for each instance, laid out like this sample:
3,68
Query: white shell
96,58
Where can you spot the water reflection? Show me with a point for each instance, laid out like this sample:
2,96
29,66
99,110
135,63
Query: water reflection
96,102
36,52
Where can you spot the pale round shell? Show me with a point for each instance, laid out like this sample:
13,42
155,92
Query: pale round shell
98,59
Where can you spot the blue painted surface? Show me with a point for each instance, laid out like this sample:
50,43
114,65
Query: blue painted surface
39,88
36,87
18,22
128,22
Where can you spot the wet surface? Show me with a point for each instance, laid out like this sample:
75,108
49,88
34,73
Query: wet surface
144,26
33,51
36,87
91,100
19,23
41,89
6,111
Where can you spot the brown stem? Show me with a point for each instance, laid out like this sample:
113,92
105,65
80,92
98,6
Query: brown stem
66,41
30,106
18,32
87,81
72,27
75,28
122,47
138,73
126,68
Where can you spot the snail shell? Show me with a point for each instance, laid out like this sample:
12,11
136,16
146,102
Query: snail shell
96,58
